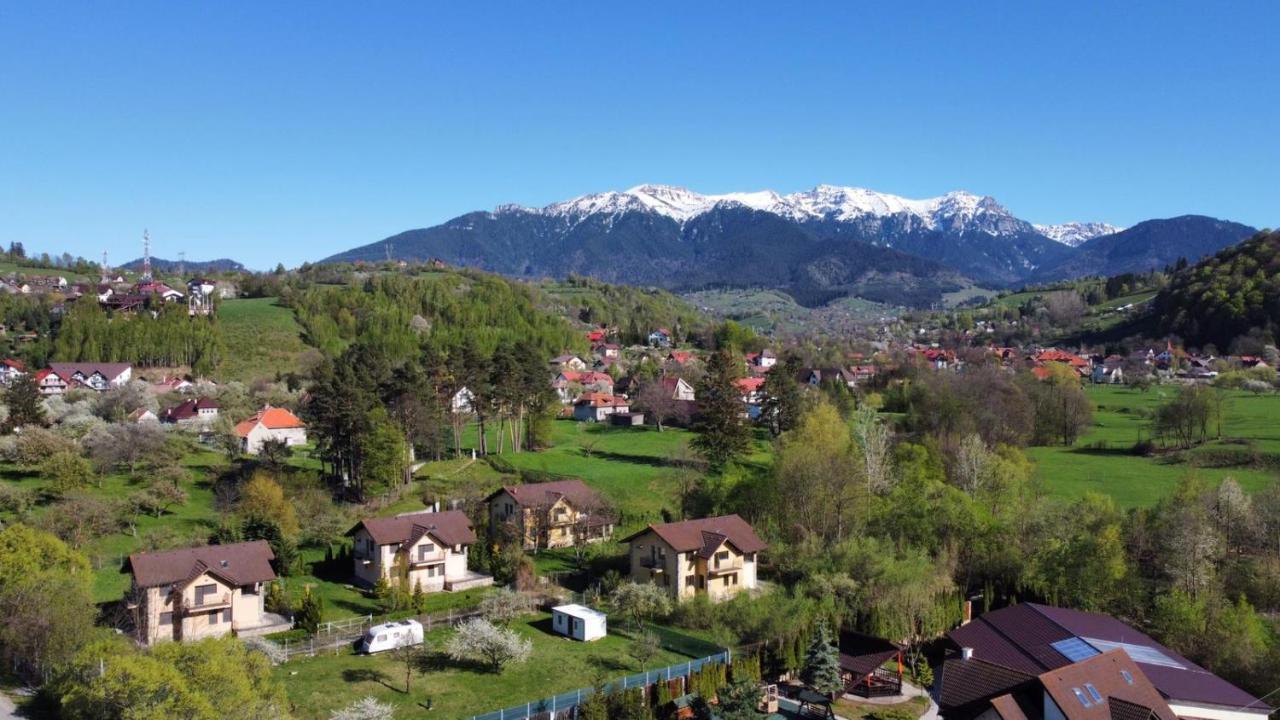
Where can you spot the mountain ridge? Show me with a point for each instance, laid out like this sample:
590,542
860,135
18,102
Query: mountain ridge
814,244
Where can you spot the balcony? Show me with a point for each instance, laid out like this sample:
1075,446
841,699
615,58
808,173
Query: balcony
724,566
211,602
656,564
428,559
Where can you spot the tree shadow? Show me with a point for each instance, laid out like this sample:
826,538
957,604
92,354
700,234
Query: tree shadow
359,675
437,660
610,664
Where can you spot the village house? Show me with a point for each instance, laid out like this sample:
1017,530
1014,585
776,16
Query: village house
199,592
423,549
597,407
142,415
59,378
1053,663
713,556
462,402
555,514
660,338
680,358
763,360
155,288
11,370
679,388
817,376
1075,362
194,412
200,292
270,423
607,350
567,362
570,383
171,384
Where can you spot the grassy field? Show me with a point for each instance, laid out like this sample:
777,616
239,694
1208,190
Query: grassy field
857,710
322,684
263,339
1101,460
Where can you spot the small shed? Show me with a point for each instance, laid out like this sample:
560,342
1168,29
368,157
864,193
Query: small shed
578,622
627,419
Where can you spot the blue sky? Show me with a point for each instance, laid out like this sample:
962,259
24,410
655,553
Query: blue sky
275,132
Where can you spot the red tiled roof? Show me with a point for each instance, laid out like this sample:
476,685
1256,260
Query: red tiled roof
238,563
749,385
595,399
701,535
451,527
272,418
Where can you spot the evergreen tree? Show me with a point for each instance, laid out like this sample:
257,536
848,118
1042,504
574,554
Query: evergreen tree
785,401
722,433
25,405
822,663
310,612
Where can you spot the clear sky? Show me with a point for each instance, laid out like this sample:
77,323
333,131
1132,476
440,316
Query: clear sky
273,132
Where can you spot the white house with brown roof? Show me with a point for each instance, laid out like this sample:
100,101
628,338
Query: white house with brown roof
563,513
426,549
200,592
194,412
62,377
597,407
714,556
270,423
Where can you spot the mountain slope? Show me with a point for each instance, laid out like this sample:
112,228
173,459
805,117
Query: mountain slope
169,266
1148,245
1074,234
816,245
1225,296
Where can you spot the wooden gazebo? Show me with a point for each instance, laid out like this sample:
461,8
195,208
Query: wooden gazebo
862,665
814,705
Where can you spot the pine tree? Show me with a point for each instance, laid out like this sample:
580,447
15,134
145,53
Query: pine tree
822,663
723,434
25,405
310,612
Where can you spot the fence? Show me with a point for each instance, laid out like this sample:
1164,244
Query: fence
565,702
335,637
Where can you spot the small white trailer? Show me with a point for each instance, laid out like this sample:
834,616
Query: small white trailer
389,636
578,622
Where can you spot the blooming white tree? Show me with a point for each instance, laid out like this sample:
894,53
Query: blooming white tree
505,605
366,709
640,601
482,641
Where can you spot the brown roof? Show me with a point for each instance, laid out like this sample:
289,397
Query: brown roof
861,654
189,408
706,534
237,563
110,371
1007,708
450,527
1114,676
964,682
548,493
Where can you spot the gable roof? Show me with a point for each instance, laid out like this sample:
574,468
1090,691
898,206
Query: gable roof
272,418
188,409
1115,677
110,371
1033,638
451,527
706,534
548,493
596,399
238,564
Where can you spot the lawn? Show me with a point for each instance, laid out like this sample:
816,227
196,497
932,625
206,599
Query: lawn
856,710
324,683
1101,462
262,339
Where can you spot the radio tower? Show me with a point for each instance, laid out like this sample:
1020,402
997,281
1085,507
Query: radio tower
389,251
105,278
146,256
182,264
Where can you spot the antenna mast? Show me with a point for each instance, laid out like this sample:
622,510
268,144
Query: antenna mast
105,270
182,264
146,255
389,250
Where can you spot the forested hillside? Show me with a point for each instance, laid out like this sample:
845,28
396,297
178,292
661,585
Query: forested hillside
1232,294
633,311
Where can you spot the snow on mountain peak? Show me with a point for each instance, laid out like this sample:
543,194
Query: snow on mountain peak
1074,234
957,210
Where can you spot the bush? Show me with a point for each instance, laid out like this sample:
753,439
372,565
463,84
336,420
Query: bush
891,713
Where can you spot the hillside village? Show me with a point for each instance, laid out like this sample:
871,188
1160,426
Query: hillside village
880,528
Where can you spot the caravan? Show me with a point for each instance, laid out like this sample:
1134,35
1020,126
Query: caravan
389,636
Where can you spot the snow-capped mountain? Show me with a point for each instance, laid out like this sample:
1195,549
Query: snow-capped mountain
1074,234
815,244
958,210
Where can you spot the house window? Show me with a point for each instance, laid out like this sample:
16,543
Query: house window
690,580
425,549
205,592
166,618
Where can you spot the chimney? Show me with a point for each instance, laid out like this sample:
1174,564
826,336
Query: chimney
968,612
966,653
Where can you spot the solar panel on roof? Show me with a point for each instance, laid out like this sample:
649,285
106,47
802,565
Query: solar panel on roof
1093,692
1075,649
1084,700
1127,676
1144,654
